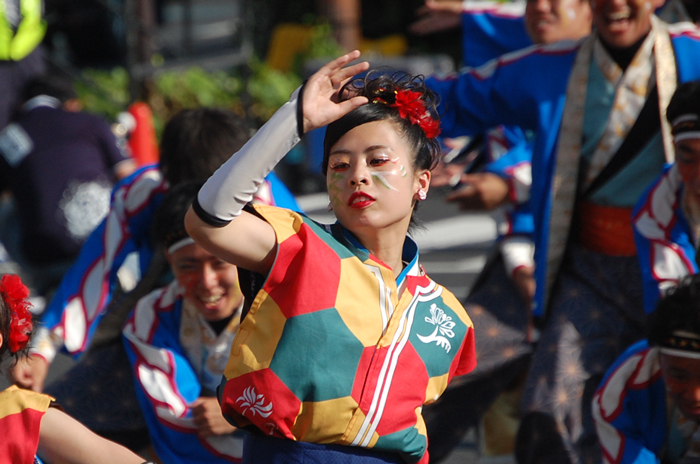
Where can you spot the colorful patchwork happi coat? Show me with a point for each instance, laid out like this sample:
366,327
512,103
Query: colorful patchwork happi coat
331,353
20,418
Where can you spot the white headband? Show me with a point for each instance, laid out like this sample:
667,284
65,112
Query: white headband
180,243
686,136
680,353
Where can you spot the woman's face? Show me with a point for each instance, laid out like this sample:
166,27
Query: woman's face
210,284
371,181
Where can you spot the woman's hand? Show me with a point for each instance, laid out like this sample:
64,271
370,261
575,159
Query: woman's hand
320,100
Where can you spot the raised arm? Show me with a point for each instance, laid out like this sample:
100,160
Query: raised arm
248,241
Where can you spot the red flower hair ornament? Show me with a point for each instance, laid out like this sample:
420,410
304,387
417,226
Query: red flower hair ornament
15,294
412,107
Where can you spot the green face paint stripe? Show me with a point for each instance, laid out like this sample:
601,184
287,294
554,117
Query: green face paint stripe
380,178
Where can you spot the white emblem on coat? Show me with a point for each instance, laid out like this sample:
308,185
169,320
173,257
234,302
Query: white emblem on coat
250,400
443,328
84,205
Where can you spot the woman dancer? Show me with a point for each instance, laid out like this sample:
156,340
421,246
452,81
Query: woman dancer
348,337
30,425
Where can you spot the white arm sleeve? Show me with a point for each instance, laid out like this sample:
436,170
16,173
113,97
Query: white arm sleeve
227,191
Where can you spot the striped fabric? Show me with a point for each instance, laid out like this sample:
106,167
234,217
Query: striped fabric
331,353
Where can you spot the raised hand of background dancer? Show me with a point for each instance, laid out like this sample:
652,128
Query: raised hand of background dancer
480,191
437,16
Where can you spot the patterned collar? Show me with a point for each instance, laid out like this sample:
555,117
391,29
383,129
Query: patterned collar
409,255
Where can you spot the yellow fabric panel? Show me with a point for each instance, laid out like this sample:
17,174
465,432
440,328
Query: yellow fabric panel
250,353
324,421
420,423
366,325
14,400
286,222
436,385
454,303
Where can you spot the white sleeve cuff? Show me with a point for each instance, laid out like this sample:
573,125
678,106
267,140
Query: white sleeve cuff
45,343
517,251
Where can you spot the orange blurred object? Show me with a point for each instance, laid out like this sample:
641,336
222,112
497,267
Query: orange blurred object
142,141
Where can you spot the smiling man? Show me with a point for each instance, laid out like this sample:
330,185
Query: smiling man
647,409
594,106
178,339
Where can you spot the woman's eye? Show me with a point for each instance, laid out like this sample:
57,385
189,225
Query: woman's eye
379,161
339,166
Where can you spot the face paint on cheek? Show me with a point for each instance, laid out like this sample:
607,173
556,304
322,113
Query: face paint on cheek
189,283
570,13
334,189
381,179
402,168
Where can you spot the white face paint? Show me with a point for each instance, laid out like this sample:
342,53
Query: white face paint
381,176
570,13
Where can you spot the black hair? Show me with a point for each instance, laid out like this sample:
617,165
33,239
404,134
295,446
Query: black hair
5,321
679,309
381,90
56,85
685,100
195,142
168,224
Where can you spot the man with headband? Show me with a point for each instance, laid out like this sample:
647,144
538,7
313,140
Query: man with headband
667,217
647,409
178,340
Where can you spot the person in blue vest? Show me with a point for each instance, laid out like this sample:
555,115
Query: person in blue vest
667,216
178,339
502,296
582,100
647,409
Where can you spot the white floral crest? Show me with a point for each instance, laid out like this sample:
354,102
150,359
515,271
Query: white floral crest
444,326
254,402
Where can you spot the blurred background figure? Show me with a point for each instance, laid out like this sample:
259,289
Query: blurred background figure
647,408
59,164
22,30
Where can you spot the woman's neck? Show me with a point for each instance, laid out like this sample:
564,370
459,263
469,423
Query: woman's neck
386,246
